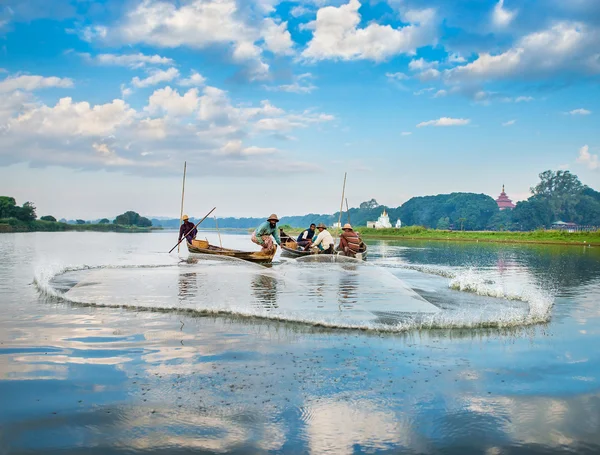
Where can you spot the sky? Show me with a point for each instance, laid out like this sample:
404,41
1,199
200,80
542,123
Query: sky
270,102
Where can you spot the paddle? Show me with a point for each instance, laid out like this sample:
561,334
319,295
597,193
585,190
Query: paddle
205,216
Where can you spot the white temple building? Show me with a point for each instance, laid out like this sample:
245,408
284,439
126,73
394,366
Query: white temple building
398,224
383,222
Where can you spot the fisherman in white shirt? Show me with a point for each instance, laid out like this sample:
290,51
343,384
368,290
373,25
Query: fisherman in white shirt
324,240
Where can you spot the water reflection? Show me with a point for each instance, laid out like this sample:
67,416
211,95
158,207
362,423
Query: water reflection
110,380
188,285
264,288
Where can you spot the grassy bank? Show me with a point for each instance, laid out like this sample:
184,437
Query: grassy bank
421,233
14,225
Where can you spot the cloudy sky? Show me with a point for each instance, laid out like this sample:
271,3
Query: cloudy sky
271,101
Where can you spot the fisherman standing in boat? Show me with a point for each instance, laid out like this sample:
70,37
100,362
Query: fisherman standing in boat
324,240
304,240
263,233
349,241
188,229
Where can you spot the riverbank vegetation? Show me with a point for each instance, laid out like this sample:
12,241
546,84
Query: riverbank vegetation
422,233
24,219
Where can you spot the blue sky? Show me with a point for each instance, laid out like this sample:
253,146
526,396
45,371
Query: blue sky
270,101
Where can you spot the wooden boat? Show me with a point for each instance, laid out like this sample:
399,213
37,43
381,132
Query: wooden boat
203,247
290,248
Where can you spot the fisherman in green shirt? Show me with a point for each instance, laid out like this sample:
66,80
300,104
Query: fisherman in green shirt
265,233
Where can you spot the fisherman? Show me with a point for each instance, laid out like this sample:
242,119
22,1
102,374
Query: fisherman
349,241
188,229
304,240
324,240
263,233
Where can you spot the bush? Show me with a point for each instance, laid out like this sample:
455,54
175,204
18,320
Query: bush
48,218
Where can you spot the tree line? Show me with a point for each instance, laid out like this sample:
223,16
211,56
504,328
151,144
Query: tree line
558,196
9,210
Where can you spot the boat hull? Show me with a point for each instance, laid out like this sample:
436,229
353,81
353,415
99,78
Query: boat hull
203,247
289,248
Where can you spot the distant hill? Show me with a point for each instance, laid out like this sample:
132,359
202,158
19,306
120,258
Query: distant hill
469,210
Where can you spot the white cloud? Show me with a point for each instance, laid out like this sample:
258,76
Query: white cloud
171,102
337,35
429,75
277,37
74,119
31,83
588,159
195,79
423,91
502,17
194,23
299,10
523,99
301,84
125,91
440,93
406,133
564,47
509,123
130,60
236,148
579,112
197,125
397,76
421,65
156,77
445,121
456,58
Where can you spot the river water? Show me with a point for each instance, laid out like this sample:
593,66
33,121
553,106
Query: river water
110,345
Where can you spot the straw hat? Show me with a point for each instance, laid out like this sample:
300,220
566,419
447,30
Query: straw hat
321,225
347,226
185,218
273,217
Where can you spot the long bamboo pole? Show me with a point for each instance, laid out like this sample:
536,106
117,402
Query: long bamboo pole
182,196
219,234
197,224
348,211
342,203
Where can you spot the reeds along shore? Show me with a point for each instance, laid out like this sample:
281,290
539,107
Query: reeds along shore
421,233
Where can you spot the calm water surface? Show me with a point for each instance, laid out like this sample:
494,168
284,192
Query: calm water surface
109,345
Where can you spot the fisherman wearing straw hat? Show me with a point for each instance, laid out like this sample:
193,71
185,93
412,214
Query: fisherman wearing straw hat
188,229
349,241
263,233
324,240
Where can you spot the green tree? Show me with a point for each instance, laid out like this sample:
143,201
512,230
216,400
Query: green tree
7,206
372,204
48,218
104,221
80,221
144,222
443,223
25,213
128,218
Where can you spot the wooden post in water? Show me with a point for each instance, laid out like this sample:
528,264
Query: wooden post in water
218,233
182,196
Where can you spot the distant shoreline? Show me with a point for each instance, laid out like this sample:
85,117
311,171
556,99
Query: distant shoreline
542,237
11,225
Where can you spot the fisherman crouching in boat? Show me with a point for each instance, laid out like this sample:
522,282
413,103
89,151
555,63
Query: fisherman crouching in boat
188,229
349,241
324,240
265,233
304,240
